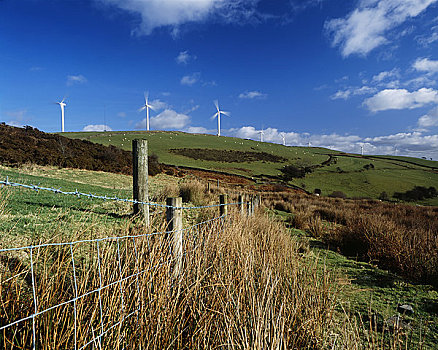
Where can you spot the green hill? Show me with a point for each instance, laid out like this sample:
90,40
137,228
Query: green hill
355,175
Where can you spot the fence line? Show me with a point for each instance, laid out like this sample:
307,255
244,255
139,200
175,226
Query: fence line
100,288
96,291
107,198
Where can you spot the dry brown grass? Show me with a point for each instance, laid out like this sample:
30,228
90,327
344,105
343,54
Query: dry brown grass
244,286
402,238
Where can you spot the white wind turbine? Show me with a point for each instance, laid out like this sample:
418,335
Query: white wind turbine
62,104
283,136
146,107
218,115
261,132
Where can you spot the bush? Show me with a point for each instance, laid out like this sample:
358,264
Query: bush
193,192
417,193
154,166
338,194
291,172
383,196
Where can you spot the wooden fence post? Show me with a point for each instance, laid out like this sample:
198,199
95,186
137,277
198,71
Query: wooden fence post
208,186
249,205
223,209
218,183
174,223
241,205
140,177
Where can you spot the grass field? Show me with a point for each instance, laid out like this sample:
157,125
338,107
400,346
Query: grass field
346,172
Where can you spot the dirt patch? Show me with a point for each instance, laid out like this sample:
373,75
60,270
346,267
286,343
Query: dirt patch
227,156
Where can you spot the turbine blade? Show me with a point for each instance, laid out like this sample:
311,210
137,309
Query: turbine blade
146,94
214,115
216,103
142,108
228,114
151,107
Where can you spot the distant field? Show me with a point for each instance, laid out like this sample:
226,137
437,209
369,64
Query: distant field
347,173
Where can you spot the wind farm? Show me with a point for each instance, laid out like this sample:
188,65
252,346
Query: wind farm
219,174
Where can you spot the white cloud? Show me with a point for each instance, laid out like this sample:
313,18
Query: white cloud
158,104
421,81
411,144
190,80
199,130
414,144
184,57
395,73
168,119
76,79
353,91
252,94
192,109
97,127
364,29
426,65
429,120
174,13
426,40
401,99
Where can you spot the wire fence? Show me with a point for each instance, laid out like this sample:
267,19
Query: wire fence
107,198
97,297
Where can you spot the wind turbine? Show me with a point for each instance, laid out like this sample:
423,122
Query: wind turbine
261,132
283,136
361,150
146,107
218,115
62,104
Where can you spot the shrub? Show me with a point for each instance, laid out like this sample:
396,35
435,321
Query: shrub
154,166
192,191
291,171
338,194
383,196
417,193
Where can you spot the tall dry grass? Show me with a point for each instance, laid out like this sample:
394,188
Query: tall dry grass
244,286
402,238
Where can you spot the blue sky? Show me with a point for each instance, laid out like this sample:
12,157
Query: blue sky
336,73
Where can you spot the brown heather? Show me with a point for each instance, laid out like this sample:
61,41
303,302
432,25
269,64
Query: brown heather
401,238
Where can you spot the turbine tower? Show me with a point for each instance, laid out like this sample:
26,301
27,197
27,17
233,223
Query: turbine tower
361,150
146,107
218,115
283,136
62,104
261,132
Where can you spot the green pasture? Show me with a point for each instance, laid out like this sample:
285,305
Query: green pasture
28,216
347,173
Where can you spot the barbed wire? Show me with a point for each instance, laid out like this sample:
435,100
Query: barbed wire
109,198
101,287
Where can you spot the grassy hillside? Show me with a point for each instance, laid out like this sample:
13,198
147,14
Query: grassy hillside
355,175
